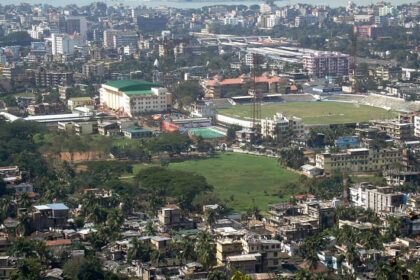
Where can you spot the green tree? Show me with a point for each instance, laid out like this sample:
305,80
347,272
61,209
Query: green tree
205,249
28,269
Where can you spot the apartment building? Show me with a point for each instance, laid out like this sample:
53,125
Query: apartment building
323,64
46,78
358,160
226,247
396,129
134,97
417,126
383,199
49,216
280,122
93,69
269,249
62,44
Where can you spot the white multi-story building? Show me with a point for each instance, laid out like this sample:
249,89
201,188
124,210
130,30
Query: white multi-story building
231,20
357,194
123,39
322,64
134,97
62,44
109,37
417,126
265,8
283,123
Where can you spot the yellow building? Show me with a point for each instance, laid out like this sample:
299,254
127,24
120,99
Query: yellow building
358,160
227,247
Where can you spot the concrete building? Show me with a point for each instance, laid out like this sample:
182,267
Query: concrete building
383,199
75,102
220,87
135,132
357,194
226,247
417,126
50,216
396,130
282,123
249,263
134,97
358,160
305,20
61,44
231,21
323,64
46,78
76,25
93,69
122,39
109,37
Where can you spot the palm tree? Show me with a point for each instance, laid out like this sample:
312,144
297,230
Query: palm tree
352,256
210,217
139,251
216,275
24,200
25,227
239,276
205,249
157,258
150,229
382,271
114,219
186,251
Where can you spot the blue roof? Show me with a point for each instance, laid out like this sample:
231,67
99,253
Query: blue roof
42,207
57,206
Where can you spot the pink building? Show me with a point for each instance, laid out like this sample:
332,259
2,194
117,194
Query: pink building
322,64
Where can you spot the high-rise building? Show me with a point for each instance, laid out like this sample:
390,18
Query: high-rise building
61,44
76,25
123,39
322,64
109,37
93,69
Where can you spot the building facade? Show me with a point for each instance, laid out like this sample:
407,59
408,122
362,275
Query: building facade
358,160
134,97
322,64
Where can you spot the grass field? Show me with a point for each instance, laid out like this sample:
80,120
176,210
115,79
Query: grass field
247,178
314,112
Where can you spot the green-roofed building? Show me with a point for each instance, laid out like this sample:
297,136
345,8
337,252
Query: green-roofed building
134,97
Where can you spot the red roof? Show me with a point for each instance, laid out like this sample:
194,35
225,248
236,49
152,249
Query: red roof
263,79
58,242
302,196
320,268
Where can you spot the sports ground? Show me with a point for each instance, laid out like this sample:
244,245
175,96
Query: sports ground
326,112
239,180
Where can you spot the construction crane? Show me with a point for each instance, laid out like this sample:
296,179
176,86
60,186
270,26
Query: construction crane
354,55
256,95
